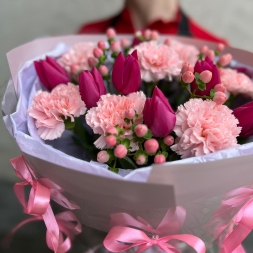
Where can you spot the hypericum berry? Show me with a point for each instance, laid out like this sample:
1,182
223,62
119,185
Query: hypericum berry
167,42
225,59
204,49
205,76
115,47
168,140
120,151
110,140
98,52
101,45
147,34
130,114
112,130
110,33
140,159
210,54
219,98
187,67
103,70
188,77
141,130
103,156
154,35
159,159
124,43
220,87
151,146
92,62
138,34
220,47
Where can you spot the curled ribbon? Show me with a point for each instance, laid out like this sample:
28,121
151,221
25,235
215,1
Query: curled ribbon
128,232
238,204
39,206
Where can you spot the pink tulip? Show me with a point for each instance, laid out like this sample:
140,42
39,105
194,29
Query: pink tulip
200,66
126,75
91,87
51,73
158,114
244,114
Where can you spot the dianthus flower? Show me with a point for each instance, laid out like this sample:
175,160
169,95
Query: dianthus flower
187,53
76,59
157,61
50,109
236,83
203,127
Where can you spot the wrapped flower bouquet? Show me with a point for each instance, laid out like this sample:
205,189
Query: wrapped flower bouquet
142,136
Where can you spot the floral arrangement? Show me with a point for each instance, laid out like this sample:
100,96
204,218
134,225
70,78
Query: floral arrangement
131,104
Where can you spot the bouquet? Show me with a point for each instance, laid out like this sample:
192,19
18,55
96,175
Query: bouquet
123,127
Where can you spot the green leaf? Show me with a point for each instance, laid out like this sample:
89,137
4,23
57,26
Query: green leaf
133,127
148,135
201,85
212,92
115,170
69,124
127,120
197,75
126,143
165,154
127,163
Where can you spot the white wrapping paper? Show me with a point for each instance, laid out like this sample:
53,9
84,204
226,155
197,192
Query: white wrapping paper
196,183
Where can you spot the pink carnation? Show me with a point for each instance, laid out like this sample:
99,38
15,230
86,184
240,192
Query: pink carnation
186,52
157,61
203,127
76,59
236,83
110,111
49,109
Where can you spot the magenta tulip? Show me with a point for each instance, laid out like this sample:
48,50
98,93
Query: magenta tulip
201,66
158,114
91,87
126,74
51,73
244,114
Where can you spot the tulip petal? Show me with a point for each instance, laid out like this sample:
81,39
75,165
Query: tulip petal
147,112
52,75
98,81
157,92
215,77
56,65
117,72
135,54
88,89
37,65
131,76
208,60
205,66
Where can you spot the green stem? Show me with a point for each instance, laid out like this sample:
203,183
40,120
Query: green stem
149,88
109,86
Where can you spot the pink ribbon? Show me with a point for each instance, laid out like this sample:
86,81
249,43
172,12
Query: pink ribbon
237,206
128,232
39,206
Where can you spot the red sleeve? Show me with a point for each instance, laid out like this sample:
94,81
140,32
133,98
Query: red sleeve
97,27
200,33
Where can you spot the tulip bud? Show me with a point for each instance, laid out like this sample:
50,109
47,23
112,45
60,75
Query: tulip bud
110,33
98,52
130,114
159,159
120,151
92,62
101,45
188,77
141,130
112,130
115,47
225,59
91,86
168,140
205,76
219,98
103,70
51,73
187,67
158,114
220,87
151,146
110,140
244,114
123,69
140,159
103,156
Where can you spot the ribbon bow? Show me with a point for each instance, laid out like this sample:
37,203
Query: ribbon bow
236,219
39,206
128,232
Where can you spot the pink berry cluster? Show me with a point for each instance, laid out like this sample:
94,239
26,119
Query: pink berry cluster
147,35
120,147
